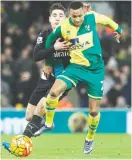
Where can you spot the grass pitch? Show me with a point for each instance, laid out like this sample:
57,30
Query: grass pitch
70,146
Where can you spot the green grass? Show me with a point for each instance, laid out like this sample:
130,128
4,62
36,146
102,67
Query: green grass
70,146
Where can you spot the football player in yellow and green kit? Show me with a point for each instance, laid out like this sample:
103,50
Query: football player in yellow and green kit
86,64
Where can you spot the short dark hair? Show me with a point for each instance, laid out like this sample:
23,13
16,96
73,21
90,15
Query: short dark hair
57,6
76,5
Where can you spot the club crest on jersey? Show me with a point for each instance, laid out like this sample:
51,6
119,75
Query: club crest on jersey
68,32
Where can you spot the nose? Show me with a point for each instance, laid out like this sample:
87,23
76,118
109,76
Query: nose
57,18
77,19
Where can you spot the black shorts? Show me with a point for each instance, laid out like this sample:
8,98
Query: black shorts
42,89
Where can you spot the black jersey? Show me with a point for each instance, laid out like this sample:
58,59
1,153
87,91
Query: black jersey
60,59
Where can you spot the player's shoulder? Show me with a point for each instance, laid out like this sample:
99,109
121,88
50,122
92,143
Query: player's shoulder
65,21
44,33
90,13
63,24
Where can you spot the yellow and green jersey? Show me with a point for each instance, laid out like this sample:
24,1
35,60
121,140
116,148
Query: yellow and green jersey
84,39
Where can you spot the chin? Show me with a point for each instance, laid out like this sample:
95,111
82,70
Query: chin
78,25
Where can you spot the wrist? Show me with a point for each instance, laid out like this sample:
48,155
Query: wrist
119,30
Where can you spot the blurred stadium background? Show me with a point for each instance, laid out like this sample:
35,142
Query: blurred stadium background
21,23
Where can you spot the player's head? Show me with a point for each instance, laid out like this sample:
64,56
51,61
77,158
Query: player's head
57,14
87,7
76,12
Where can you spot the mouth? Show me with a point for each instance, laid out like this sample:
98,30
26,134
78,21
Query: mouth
78,23
56,23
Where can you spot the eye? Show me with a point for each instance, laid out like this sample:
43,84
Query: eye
61,15
74,16
54,15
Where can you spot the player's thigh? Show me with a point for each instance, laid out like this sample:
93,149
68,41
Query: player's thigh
94,105
70,76
34,100
32,103
40,110
30,111
58,88
95,82
64,94
41,90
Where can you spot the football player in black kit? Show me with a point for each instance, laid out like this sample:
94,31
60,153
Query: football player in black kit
57,14
60,58
58,51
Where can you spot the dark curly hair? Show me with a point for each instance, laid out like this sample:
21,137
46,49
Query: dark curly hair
57,6
76,5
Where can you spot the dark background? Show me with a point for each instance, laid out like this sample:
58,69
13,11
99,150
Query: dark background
21,23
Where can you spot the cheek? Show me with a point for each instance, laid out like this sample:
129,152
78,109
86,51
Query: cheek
81,19
51,20
73,19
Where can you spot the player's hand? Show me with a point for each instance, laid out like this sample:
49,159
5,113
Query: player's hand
64,45
47,70
117,36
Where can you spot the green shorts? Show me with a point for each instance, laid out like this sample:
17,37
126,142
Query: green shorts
92,75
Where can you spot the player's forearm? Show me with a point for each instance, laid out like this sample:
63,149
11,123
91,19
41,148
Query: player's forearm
41,54
53,37
119,30
113,25
104,20
50,40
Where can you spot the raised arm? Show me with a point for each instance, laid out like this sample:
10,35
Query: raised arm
102,19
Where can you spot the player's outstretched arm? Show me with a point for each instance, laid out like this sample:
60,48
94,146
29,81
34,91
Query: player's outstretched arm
55,36
102,19
40,52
